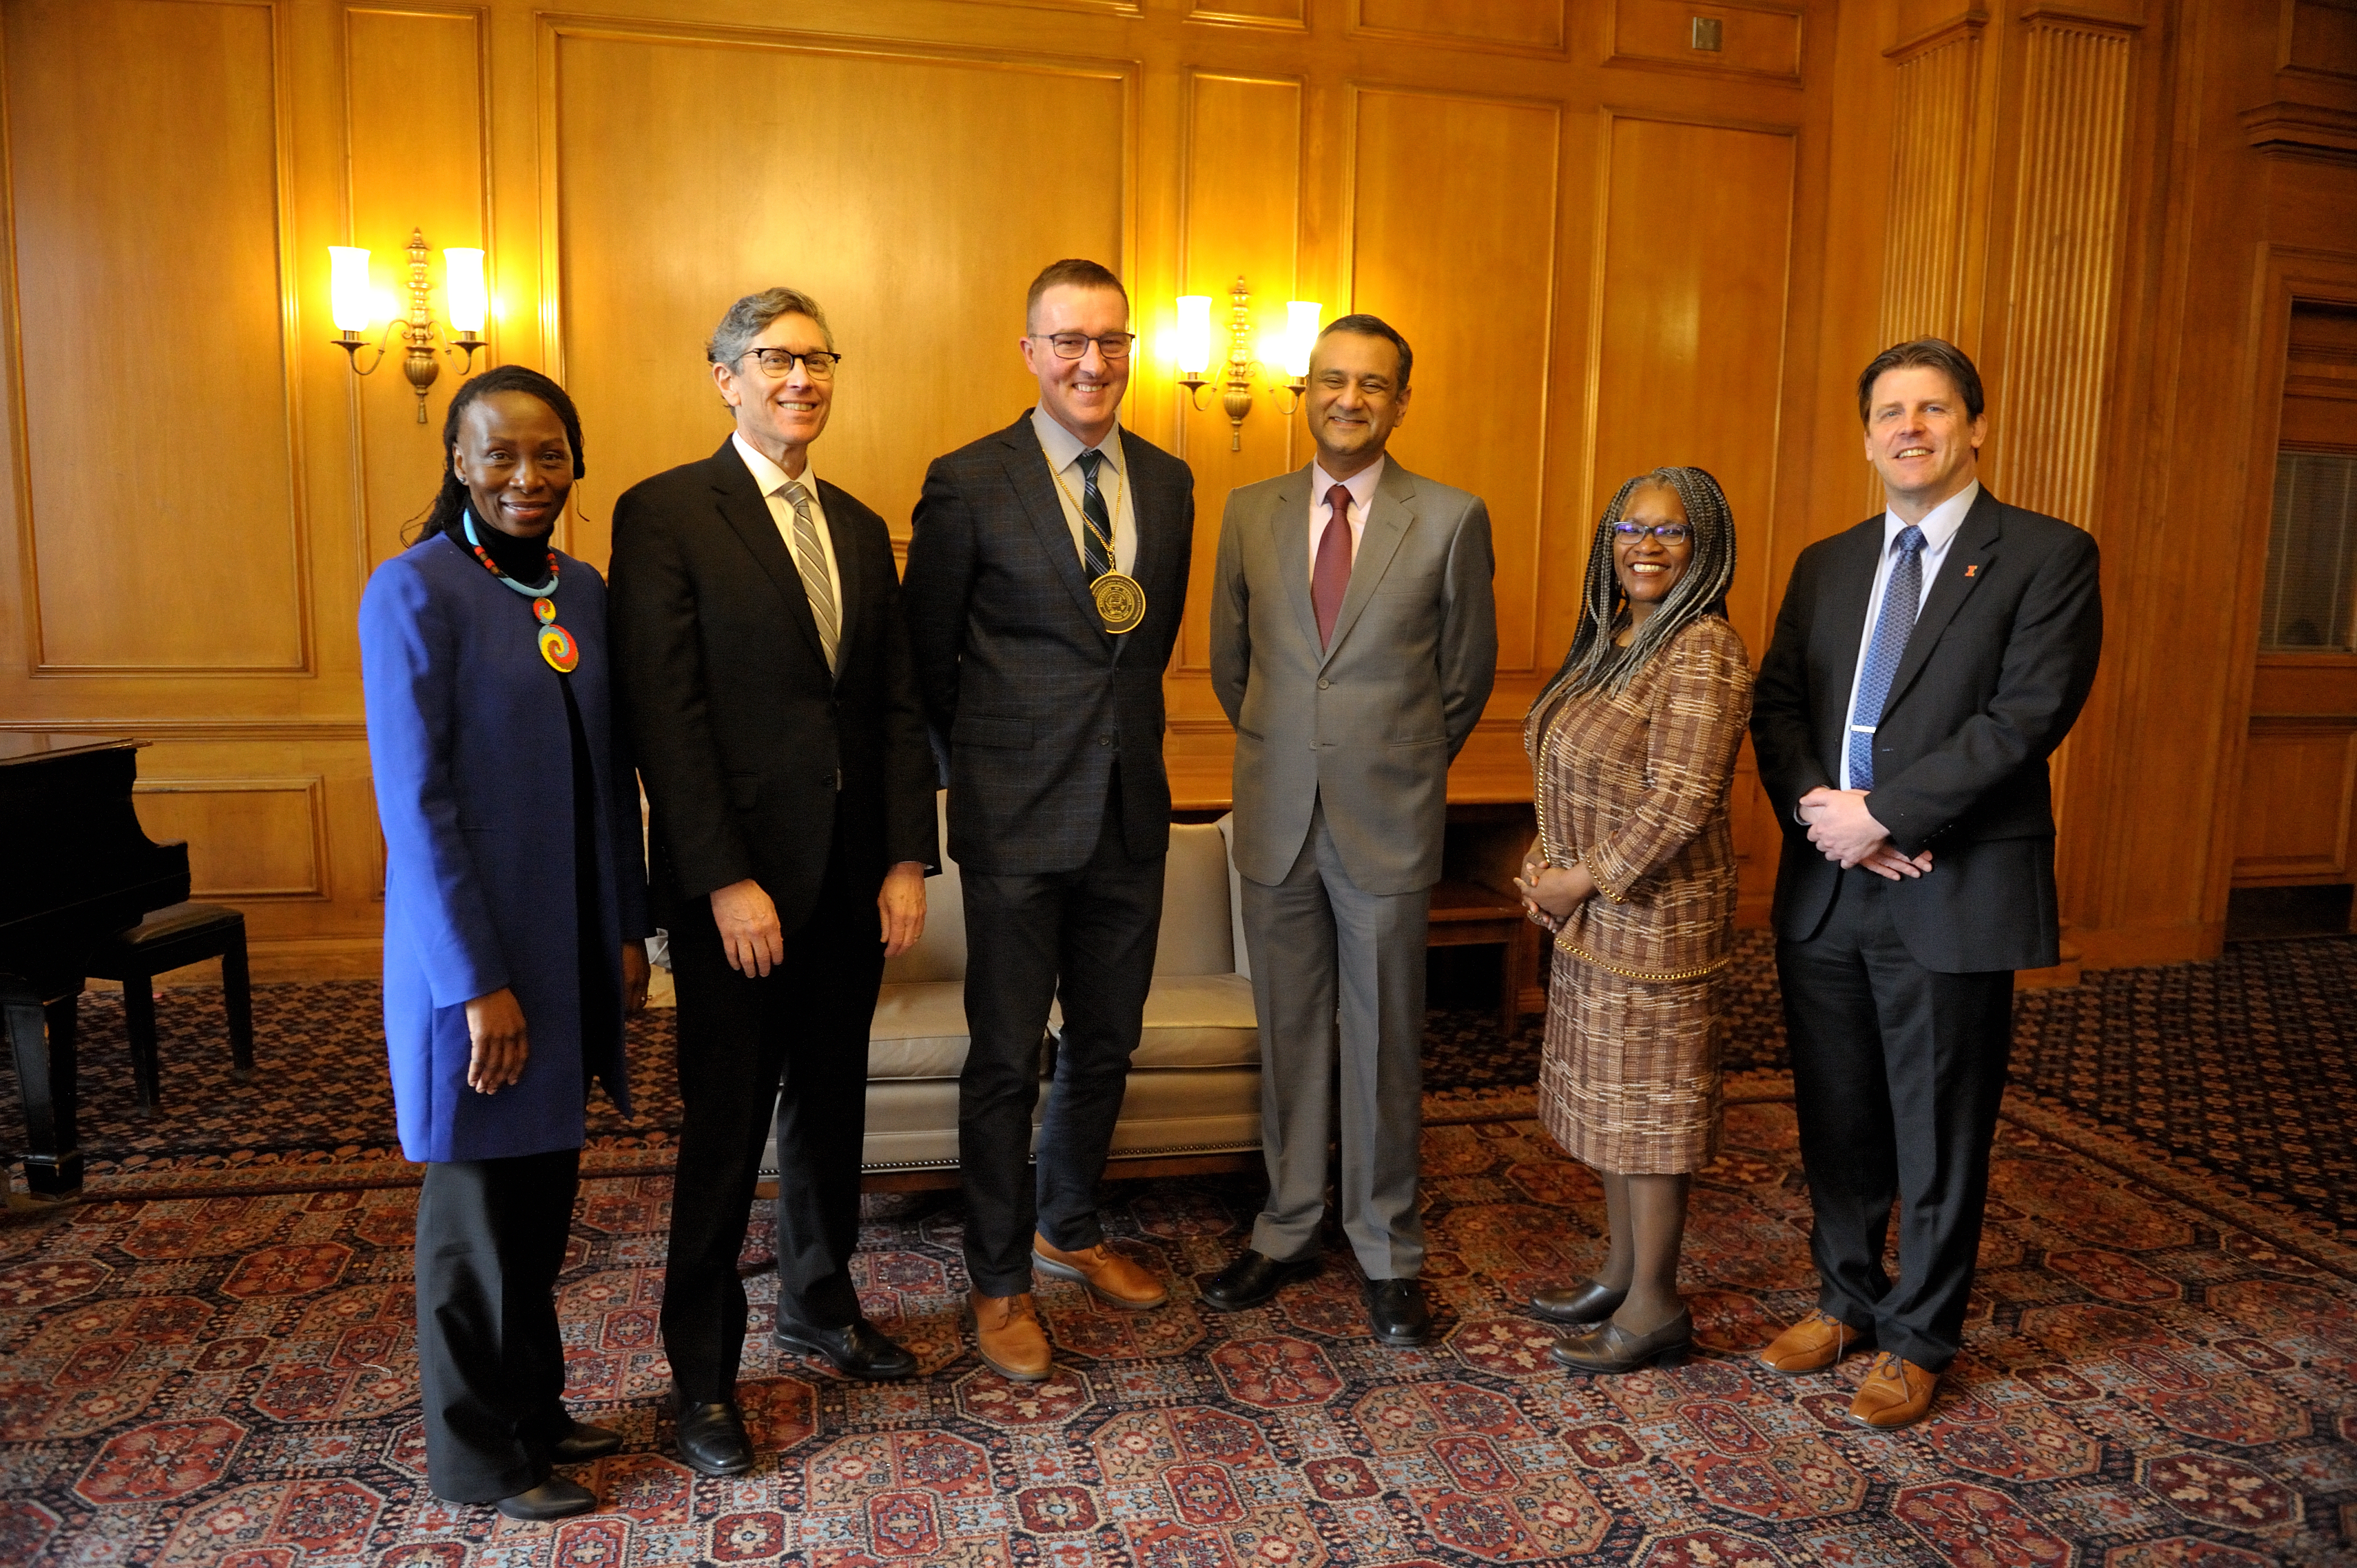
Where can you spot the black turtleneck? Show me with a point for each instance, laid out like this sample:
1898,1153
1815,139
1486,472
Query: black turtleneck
525,560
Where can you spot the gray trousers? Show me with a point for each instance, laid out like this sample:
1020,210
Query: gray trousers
1324,953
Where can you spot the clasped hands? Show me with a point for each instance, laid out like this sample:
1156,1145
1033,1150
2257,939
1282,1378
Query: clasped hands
1550,892
1845,833
754,941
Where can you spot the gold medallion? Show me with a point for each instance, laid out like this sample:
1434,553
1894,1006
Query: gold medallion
1121,602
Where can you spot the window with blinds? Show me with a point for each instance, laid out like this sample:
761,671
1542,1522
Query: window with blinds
2312,555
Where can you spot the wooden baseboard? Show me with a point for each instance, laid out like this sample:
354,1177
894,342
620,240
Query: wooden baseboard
2136,947
313,958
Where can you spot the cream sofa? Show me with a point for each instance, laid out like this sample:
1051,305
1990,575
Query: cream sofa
1194,1084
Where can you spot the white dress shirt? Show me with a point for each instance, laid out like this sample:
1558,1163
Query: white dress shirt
773,482
1362,485
1064,449
1939,526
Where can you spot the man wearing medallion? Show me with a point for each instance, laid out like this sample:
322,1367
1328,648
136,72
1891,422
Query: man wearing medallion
765,672
1047,574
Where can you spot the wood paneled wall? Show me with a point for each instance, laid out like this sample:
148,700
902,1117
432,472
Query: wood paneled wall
1611,251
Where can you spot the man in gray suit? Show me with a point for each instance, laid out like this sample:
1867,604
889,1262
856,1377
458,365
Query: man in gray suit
1353,641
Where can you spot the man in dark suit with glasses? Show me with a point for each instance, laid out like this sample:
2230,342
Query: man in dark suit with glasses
763,667
1047,574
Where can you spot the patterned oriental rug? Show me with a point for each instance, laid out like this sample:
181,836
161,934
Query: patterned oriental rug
209,1362
2159,1376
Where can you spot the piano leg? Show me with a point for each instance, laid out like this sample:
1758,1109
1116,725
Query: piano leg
41,1040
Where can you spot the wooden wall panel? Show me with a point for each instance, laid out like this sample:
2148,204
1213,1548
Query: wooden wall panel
411,171
2066,256
248,838
1754,40
922,274
1241,222
1534,24
1453,242
1250,13
162,513
1692,316
2299,802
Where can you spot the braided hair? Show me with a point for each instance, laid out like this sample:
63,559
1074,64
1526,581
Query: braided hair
450,502
1595,662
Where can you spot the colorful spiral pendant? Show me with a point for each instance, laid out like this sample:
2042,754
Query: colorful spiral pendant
557,644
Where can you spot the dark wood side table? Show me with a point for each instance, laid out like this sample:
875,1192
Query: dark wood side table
1468,915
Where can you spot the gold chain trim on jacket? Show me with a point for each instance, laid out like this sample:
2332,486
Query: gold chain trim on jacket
1642,977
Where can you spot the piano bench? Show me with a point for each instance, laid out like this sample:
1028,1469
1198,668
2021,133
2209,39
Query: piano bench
167,940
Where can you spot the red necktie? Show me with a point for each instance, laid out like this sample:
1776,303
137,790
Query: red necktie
1331,579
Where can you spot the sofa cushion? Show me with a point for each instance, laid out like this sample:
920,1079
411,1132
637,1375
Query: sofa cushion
1199,1021
920,1030
1195,937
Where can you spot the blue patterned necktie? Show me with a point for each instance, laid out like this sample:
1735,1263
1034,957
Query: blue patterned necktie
1902,598
1096,528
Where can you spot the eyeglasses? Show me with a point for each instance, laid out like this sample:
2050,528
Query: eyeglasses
1667,532
1072,345
777,363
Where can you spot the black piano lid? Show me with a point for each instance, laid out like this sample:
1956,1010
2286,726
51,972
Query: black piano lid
38,746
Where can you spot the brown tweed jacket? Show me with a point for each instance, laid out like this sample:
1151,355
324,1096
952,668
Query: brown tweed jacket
1635,785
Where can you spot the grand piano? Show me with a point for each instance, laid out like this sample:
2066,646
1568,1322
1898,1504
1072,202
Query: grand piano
74,869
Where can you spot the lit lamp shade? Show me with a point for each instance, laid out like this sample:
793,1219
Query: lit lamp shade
462,281
347,287
1192,343
1300,336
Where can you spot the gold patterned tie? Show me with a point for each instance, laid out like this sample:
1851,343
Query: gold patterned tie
810,559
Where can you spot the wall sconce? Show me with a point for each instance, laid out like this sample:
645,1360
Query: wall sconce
1300,338
1193,353
349,305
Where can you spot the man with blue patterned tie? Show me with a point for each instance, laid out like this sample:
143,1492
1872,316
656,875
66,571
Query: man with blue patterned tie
1047,574
1925,664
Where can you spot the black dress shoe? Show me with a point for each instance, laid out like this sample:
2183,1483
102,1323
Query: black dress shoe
553,1499
1254,1278
860,1349
1582,1304
713,1440
1396,1310
583,1443
1608,1347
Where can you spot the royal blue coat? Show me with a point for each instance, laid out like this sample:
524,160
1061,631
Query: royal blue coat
473,759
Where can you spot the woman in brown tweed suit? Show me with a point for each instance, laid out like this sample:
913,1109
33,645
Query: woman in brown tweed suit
1632,747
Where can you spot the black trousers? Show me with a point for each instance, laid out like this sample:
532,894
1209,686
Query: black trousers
796,1037
1086,938
1897,1072
490,1240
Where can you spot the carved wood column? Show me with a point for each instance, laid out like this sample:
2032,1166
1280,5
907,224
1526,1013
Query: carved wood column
1926,247
2063,283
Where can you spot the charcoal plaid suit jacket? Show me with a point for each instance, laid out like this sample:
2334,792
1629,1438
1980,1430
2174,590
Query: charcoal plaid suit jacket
1036,707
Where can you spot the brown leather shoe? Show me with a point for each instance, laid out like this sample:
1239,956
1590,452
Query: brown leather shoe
1812,1345
1110,1277
1897,1393
1007,1332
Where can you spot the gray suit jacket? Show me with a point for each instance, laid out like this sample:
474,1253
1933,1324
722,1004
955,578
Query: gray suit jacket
1371,724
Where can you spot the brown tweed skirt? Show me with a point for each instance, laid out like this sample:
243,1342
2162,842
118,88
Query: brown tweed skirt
1629,1080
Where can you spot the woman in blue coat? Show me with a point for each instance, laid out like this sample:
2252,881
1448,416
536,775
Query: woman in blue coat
515,918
